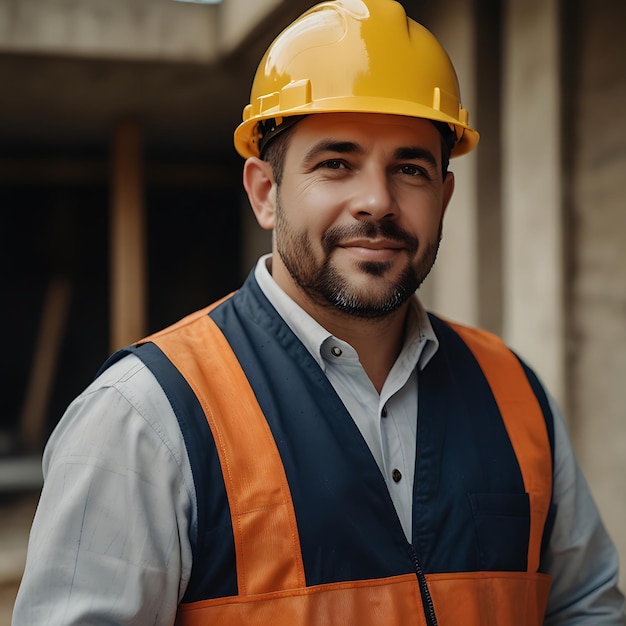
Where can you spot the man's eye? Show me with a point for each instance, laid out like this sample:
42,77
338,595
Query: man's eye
333,164
412,170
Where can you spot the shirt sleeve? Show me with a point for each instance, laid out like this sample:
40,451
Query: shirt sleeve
110,539
580,557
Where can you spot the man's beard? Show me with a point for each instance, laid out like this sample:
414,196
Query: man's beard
326,285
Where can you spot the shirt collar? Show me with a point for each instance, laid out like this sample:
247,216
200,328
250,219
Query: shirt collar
420,344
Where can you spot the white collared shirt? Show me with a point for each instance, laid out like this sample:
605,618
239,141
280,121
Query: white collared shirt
387,421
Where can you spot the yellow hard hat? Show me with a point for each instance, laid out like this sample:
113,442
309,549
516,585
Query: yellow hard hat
354,56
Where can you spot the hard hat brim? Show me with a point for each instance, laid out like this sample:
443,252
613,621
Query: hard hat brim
246,136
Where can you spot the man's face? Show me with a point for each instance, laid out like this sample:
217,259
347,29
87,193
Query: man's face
359,211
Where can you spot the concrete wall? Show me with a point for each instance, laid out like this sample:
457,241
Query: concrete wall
137,29
598,254
130,29
452,288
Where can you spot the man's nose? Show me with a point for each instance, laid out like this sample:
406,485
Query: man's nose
373,197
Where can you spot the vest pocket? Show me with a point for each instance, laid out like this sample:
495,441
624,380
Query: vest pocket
502,523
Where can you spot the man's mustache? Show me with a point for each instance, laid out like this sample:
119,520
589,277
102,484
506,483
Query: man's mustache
369,230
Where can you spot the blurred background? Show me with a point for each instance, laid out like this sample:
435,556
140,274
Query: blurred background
122,207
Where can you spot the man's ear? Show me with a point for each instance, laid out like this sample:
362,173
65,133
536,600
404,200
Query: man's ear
259,183
448,190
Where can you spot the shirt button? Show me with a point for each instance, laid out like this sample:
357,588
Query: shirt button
383,413
396,475
336,351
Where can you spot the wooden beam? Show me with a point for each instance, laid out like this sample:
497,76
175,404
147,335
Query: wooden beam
127,238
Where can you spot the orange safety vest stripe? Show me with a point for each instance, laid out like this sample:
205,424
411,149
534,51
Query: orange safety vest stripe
254,476
471,599
489,598
393,601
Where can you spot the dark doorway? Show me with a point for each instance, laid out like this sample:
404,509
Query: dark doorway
57,234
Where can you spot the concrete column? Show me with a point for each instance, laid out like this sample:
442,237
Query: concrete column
127,238
533,315
452,290
595,135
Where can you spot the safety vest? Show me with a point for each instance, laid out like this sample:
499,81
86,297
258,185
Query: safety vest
296,526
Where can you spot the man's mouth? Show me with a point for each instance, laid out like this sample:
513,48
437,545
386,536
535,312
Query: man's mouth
381,250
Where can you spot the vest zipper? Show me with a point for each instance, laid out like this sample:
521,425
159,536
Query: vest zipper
427,601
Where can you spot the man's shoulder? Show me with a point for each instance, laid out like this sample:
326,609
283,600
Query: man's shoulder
126,373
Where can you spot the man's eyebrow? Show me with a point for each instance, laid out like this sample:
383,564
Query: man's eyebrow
415,153
331,145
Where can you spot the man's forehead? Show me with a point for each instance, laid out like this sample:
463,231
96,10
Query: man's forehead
357,131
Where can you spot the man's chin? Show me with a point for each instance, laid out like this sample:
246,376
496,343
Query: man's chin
367,309
370,299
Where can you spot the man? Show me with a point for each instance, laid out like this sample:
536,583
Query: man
317,449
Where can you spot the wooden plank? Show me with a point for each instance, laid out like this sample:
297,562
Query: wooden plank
32,424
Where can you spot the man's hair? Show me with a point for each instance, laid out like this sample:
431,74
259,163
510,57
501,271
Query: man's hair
275,150
448,139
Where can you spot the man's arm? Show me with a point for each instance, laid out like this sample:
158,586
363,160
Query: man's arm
109,543
581,556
